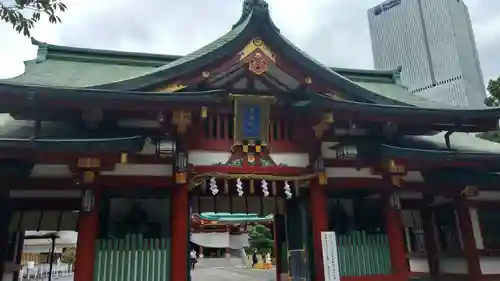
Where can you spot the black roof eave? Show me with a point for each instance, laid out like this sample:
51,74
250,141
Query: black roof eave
437,115
492,161
461,176
67,144
10,90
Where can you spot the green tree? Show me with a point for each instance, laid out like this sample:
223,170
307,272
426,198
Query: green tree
261,239
24,14
492,100
69,256
494,90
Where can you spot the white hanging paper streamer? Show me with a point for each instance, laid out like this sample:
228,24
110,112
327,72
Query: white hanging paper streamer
213,186
288,191
265,190
239,187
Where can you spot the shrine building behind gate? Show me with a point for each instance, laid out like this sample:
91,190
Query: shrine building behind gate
123,147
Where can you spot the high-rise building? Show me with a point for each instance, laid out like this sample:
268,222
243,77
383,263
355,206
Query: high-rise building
434,43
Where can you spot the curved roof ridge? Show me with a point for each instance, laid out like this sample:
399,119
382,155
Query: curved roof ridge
366,70
46,50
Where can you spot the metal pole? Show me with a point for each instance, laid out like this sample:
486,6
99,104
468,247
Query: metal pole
51,257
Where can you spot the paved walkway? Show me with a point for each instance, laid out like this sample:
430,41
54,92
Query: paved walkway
232,274
212,274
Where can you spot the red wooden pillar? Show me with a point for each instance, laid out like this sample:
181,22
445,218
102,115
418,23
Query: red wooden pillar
319,215
180,217
469,242
394,227
431,249
88,225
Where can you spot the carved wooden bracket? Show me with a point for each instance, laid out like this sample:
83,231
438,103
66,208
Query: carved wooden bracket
323,125
182,119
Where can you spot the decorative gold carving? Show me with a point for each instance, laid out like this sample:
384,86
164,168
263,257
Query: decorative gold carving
320,129
328,118
180,177
256,44
88,176
205,74
397,180
204,112
322,178
88,163
174,87
470,191
258,56
124,158
308,80
258,63
323,125
395,168
182,119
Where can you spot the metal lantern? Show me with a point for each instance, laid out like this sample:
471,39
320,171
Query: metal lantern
395,200
181,161
88,200
319,165
347,152
165,147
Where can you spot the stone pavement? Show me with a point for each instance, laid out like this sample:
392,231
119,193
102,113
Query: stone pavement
232,274
212,274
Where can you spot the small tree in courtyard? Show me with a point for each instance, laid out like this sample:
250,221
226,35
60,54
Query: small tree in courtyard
261,240
69,256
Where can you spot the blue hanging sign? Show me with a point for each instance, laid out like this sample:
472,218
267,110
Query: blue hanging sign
251,119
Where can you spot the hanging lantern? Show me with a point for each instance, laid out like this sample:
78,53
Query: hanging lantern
181,161
88,200
165,147
347,152
395,201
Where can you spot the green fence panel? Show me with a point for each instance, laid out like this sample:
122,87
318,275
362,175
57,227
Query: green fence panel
362,254
132,259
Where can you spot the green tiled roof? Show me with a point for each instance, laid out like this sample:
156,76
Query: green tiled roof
60,73
399,93
78,67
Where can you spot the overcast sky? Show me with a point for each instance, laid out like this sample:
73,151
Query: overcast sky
333,31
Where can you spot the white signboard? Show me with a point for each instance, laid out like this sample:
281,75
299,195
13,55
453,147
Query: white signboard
330,256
